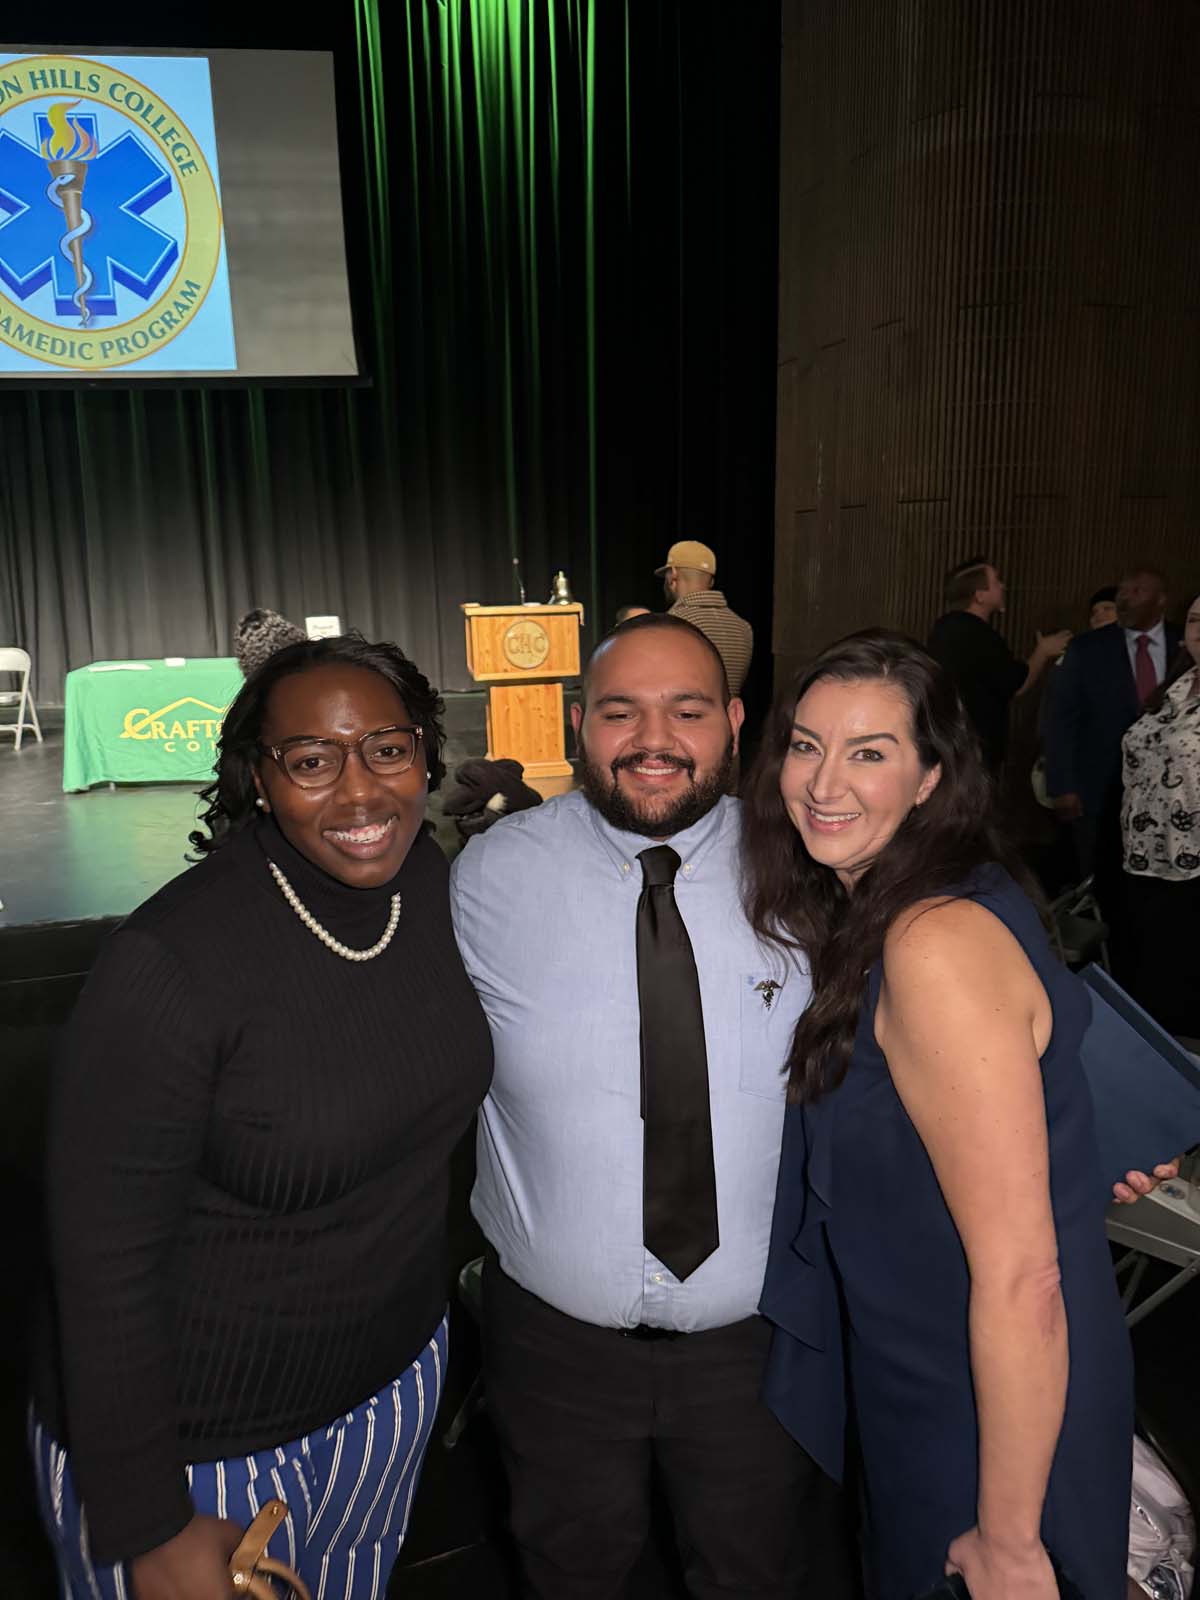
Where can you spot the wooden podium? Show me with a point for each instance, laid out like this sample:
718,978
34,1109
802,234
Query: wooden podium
523,653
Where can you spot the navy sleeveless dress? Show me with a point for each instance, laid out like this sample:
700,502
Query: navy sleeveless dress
867,1286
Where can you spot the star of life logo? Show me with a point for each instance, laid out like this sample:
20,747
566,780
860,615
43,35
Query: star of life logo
110,221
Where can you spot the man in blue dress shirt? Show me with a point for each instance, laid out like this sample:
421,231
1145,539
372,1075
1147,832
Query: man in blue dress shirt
600,1364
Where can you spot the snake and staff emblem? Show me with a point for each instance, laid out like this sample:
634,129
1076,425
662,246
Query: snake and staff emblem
67,149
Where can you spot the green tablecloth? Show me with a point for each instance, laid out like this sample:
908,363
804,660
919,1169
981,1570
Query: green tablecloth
145,723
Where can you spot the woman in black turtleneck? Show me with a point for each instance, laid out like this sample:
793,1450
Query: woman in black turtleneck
249,1160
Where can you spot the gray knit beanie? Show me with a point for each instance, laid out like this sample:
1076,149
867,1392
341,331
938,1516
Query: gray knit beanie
259,634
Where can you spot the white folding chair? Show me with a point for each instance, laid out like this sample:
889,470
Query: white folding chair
17,661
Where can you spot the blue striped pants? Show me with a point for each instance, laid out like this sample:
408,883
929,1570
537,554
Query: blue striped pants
350,1488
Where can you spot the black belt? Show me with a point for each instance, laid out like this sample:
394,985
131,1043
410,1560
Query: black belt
644,1331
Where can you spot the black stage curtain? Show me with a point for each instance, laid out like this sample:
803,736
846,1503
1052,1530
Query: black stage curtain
562,224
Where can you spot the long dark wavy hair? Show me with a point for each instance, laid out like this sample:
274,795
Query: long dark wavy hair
229,802
794,901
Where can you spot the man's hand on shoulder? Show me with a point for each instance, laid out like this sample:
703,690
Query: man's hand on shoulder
1052,645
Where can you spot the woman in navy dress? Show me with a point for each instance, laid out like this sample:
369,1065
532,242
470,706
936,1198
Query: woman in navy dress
939,1250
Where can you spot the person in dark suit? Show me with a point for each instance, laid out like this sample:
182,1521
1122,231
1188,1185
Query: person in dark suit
1105,679
984,670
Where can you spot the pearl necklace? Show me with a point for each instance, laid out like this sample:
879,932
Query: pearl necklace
326,938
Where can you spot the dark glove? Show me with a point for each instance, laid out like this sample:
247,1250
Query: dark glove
476,782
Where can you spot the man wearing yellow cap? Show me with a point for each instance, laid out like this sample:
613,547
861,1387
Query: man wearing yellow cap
688,578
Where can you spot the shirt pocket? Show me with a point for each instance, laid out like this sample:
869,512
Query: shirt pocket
766,1024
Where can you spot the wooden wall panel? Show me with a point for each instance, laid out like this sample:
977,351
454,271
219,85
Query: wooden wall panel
989,306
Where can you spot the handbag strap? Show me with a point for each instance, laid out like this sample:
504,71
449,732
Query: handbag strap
261,1588
250,1559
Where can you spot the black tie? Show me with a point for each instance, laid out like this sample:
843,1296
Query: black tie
679,1206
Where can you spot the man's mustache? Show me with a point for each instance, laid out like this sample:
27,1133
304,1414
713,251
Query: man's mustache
681,763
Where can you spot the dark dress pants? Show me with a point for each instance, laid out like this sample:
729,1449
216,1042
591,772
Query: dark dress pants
584,1415
1164,926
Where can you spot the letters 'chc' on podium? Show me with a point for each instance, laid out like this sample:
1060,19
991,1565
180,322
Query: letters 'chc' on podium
523,653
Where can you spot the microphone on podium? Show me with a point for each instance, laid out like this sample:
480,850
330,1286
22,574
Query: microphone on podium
517,573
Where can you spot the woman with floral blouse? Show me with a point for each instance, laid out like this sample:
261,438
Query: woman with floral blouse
1160,830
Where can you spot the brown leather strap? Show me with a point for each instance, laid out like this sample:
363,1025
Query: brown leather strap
261,1589
278,1569
250,1560
258,1588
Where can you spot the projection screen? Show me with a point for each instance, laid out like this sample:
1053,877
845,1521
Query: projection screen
171,214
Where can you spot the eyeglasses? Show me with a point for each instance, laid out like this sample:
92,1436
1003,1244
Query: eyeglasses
317,763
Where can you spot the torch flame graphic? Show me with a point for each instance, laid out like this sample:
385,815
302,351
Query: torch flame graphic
68,141
67,151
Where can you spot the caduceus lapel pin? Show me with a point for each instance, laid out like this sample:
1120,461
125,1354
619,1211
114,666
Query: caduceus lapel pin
768,989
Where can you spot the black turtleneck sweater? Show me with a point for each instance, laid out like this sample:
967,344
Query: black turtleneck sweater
249,1171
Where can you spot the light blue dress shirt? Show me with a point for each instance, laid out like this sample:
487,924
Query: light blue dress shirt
545,909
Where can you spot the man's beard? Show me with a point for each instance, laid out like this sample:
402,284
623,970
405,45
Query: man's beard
600,785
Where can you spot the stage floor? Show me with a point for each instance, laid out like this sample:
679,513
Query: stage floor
74,858
79,857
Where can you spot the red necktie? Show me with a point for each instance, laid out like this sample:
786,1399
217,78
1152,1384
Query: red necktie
1144,675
